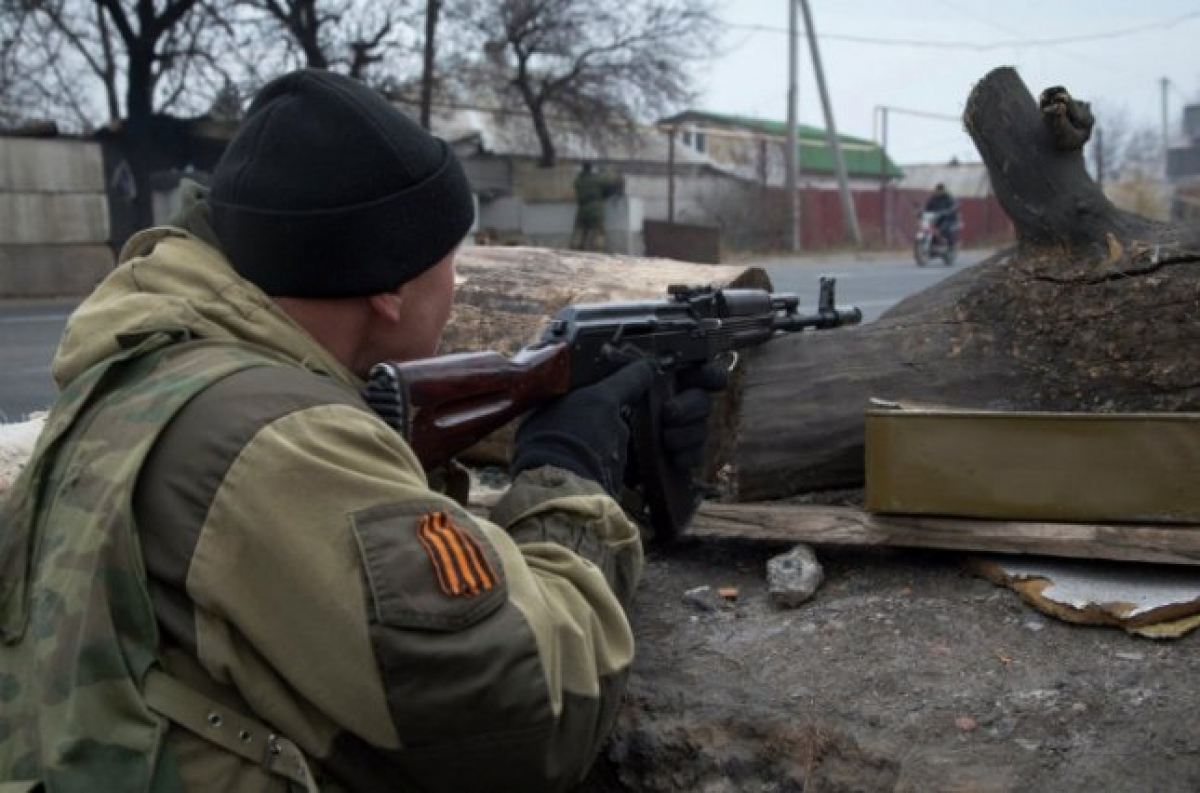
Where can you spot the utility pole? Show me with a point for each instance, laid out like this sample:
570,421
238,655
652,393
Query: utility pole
432,9
839,162
1165,135
889,200
789,153
886,203
671,174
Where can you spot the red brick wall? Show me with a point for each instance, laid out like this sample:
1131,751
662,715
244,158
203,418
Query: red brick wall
822,225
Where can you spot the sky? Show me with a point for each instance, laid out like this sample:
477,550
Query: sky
920,59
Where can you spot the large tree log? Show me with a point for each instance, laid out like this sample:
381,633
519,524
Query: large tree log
1095,309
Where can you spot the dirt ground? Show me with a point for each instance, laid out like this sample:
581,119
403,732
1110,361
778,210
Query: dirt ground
905,672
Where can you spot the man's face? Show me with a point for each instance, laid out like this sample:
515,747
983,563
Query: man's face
424,310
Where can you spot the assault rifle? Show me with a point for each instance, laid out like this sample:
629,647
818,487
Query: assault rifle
443,405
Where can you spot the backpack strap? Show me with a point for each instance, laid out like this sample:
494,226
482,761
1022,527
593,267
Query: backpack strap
72,584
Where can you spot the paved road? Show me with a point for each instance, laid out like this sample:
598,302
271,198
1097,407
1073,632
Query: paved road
873,282
29,332
30,329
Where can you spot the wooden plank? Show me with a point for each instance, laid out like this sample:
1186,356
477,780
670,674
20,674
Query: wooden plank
1165,543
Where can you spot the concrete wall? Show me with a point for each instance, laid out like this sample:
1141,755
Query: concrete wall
682,241
54,224
624,218
489,175
53,218
537,184
695,195
514,221
50,165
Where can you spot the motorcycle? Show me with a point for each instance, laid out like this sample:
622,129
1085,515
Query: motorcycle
931,243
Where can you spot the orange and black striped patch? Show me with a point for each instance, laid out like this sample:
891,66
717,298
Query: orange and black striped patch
458,561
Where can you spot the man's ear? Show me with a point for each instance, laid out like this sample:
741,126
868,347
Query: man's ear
387,304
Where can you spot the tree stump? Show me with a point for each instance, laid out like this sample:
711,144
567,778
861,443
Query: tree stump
1094,309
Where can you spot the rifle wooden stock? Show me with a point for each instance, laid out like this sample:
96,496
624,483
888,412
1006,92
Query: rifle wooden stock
453,401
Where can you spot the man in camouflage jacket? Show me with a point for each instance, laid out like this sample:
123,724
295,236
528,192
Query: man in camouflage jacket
221,571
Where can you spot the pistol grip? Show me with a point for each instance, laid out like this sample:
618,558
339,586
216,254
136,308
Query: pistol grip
670,495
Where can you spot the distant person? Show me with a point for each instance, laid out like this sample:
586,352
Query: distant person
942,203
591,190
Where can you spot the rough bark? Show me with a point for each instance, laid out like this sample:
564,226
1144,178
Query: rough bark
1094,309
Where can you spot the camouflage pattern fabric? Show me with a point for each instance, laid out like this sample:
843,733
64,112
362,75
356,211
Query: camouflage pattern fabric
78,630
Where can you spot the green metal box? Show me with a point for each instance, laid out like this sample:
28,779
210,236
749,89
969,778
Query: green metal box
1030,466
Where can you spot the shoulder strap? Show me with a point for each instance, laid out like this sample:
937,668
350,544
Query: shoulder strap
228,729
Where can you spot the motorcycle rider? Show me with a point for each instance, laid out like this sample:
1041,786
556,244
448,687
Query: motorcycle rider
943,204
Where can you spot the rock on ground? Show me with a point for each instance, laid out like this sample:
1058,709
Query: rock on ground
904,672
794,577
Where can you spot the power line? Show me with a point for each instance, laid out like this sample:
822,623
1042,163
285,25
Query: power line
921,113
970,12
979,17
981,46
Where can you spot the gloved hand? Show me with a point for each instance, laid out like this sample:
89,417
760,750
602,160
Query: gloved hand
685,416
585,431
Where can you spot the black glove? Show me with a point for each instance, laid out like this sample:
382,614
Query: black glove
685,416
585,431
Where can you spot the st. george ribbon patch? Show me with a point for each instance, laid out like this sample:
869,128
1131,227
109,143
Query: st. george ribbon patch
462,569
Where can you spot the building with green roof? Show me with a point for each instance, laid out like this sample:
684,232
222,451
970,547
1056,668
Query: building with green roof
755,148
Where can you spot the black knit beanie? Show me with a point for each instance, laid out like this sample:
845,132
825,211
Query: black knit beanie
327,190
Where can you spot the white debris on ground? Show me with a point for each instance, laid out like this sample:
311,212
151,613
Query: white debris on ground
706,598
16,445
1157,601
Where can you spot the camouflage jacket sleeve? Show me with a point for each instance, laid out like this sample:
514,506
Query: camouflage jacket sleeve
299,555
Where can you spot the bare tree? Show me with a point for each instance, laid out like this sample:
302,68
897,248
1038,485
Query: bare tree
597,63
58,64
1127,161
1124,146
362,38
16,106
95,60
111,59
126,61
129,62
